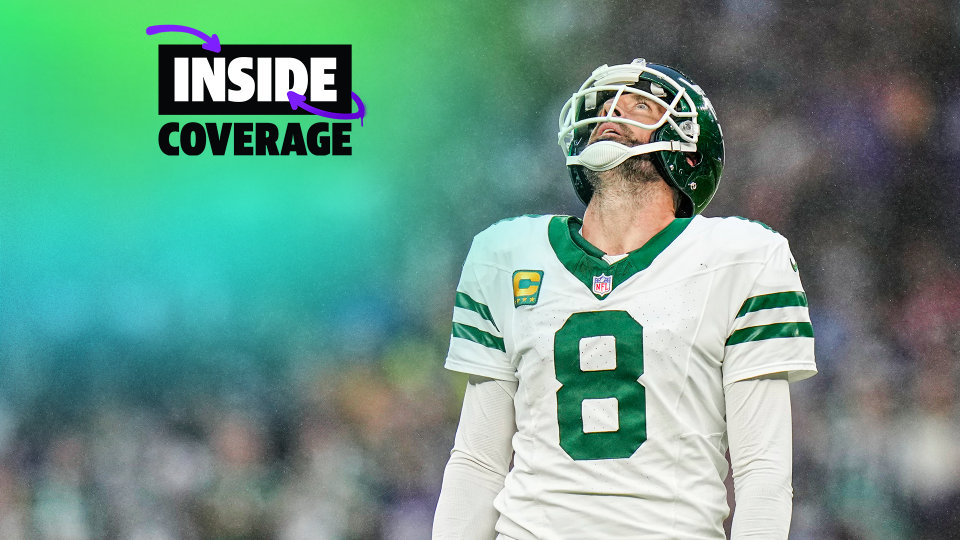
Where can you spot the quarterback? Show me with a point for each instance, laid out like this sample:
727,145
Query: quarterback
614,360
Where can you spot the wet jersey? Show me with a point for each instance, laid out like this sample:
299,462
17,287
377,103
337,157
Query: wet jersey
621,367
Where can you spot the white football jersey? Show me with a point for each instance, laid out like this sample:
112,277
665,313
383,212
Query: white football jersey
621,367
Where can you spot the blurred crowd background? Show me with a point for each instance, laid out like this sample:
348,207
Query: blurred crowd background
291,416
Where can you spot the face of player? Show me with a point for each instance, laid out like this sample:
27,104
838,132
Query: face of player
632,107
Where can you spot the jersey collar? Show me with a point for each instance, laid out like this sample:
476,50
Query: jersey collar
584,260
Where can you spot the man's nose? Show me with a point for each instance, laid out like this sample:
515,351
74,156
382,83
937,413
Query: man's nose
606,109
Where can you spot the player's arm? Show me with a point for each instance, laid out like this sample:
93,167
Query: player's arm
770,345
759,431
478,462
481,347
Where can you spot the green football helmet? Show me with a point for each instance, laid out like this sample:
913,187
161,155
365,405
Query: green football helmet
687,129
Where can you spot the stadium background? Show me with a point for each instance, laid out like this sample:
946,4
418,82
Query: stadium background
247,348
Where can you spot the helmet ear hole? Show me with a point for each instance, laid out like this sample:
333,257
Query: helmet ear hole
694,158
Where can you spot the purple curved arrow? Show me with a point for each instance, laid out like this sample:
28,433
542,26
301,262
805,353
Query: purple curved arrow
297,100
211,42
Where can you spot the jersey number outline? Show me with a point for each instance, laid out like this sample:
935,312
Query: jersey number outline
620,383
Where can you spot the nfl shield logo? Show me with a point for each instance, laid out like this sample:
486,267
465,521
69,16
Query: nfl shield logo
602,284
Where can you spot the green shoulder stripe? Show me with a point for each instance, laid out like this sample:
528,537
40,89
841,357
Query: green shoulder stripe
478,336
771,331
760,223
464,301
773,300
518,217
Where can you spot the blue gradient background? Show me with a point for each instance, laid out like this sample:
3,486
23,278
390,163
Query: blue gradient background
103,235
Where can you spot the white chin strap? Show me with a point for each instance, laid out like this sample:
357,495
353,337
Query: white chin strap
605,155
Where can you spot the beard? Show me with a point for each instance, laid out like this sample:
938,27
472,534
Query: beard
630,176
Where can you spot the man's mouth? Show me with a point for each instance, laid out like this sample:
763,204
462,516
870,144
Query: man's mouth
608,129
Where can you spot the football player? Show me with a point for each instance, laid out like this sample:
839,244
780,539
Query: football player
615,359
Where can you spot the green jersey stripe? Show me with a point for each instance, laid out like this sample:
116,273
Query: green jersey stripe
478,336
464,301
773,300
771,331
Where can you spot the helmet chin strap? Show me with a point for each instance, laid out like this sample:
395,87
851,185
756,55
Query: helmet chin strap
605,155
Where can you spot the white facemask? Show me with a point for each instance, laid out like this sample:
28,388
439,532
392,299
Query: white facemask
605,155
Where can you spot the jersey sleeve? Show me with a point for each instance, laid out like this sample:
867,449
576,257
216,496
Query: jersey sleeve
771,332
477,344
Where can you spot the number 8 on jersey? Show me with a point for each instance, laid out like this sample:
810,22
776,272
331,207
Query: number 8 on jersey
601,407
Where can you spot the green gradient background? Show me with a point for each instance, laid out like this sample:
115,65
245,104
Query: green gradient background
104,239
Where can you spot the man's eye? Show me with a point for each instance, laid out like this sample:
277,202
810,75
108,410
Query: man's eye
642,105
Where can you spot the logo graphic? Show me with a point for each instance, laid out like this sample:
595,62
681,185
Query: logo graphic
216,79
602,284
210,43
526,287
